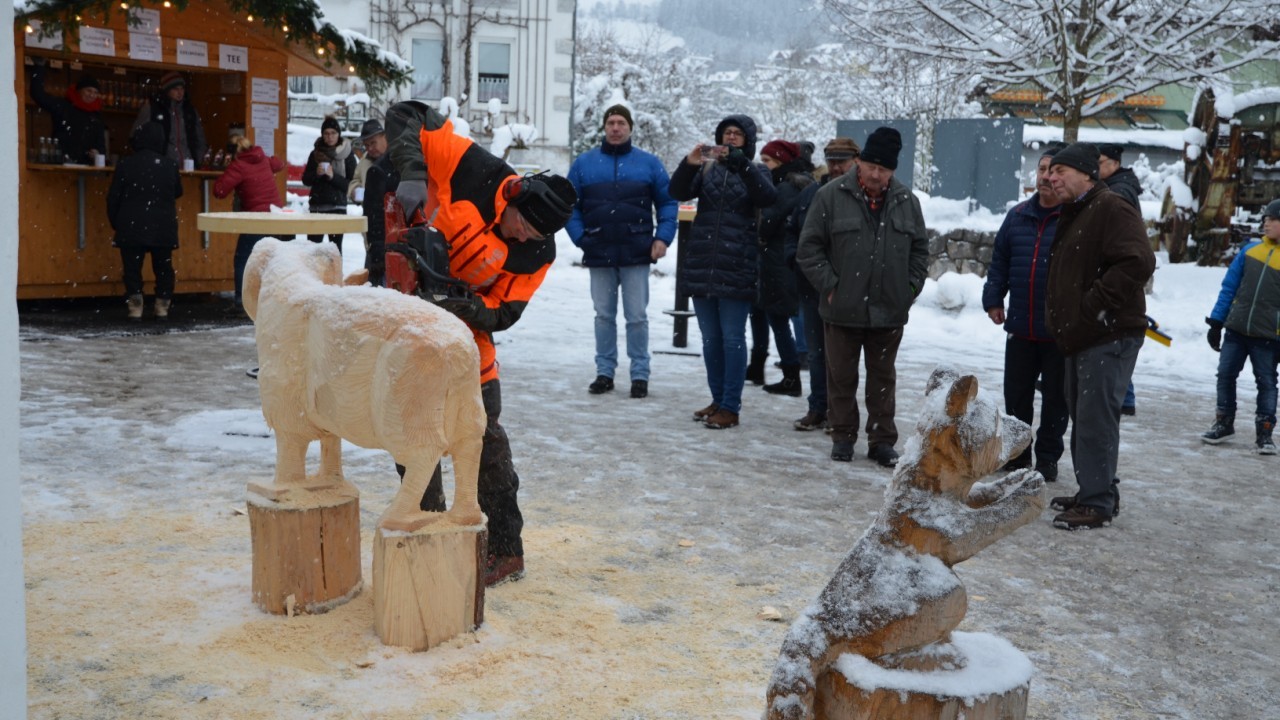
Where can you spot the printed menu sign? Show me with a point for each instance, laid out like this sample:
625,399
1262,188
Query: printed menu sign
52,41
145,47
193,52
233,57
266,90
97,41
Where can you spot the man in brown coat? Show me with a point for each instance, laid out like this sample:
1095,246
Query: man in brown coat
1096,311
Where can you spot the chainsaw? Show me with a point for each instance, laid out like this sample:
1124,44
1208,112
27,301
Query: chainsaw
417,256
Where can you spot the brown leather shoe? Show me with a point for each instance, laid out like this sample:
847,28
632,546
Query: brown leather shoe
704,413
721,419
1082,517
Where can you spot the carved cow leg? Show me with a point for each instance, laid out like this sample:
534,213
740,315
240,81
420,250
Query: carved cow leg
466,476
330,472
291,458
404,513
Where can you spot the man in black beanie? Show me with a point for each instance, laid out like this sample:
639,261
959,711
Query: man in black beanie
864,249
501,229
1019,268
1096,310
1120,180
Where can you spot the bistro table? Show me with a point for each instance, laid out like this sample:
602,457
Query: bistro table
286,223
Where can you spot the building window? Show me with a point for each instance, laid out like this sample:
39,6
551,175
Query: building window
301,84
428,69
495,72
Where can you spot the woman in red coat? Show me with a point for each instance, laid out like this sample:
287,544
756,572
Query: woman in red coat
252,177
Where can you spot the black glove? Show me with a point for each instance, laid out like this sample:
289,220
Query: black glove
736,161
1215,334
466,307
412,195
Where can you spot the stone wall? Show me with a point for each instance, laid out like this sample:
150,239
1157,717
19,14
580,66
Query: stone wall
960,251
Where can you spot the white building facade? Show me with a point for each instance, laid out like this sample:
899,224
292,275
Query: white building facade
512,56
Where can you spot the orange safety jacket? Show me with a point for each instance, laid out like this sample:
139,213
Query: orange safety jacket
465,201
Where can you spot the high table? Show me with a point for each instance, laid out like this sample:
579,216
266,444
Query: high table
291,223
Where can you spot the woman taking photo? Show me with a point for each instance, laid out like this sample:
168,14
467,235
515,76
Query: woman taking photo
719,268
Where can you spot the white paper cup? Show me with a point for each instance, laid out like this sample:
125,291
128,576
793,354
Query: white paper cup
99,160
324,168
188,164
359,194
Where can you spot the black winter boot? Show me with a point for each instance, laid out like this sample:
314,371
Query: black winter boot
755,368
790,383
1265,444
1224,426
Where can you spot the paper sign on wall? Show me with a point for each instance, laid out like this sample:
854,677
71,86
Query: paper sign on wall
51,42
144,21
266,90
264,116
265,139
233,57
97,41
193,52
145,47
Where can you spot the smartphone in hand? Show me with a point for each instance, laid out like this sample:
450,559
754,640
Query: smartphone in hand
714,152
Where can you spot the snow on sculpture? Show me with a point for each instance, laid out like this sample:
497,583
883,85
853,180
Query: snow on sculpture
369,365
895,600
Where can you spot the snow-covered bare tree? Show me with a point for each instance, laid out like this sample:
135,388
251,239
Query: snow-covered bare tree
1083,55
663,84
803,93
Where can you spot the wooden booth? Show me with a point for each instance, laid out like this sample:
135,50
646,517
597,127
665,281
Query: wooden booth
236,71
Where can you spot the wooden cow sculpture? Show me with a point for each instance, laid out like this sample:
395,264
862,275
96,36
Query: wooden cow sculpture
895,592
376,367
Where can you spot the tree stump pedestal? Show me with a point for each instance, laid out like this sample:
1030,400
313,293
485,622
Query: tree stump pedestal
428,585
306,546
975,677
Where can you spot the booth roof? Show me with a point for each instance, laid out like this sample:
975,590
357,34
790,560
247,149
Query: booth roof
331,49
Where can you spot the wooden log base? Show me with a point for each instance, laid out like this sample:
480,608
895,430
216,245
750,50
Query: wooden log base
306,547
428,585
993,684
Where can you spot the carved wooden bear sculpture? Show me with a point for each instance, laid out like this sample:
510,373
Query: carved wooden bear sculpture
376,367
895,592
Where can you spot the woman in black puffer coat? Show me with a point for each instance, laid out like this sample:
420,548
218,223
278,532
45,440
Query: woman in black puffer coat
779,299
718,268
329,170
142,207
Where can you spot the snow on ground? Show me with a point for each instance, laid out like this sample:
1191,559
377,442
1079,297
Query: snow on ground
136,450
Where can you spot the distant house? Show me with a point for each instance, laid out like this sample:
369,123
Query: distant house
518,53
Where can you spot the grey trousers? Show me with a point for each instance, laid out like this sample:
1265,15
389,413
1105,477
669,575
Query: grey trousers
1095,383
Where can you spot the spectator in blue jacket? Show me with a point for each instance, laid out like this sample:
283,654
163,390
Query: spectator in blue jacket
620,187
1248,308
1020,269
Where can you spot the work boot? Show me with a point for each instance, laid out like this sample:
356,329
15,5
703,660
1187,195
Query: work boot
135,307
600,385
1062,503
884,455
755,368
639,389
1224,426
1265,445
1048,470
842,450
790,383
162,308
503,568
811,421
1081,517
704,413
721,419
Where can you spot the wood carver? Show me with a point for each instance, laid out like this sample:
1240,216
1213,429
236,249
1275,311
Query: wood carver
895,600
373,366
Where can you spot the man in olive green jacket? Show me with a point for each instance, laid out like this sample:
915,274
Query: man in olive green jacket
864,249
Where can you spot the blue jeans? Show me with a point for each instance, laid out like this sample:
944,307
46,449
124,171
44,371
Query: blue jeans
723,324
802,338
1262,354
634,281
